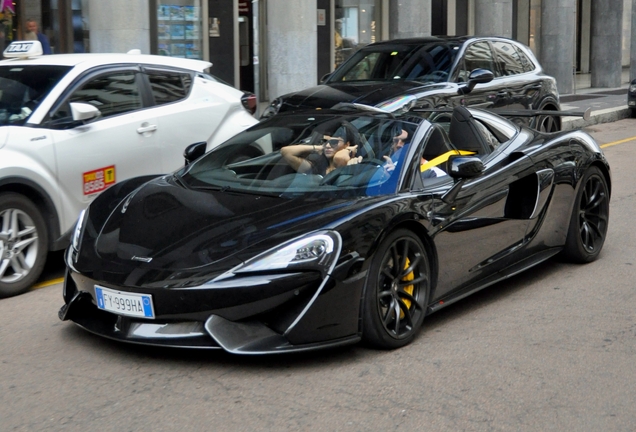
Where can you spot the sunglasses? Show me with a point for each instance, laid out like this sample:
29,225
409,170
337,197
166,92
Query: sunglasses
397,140
333,142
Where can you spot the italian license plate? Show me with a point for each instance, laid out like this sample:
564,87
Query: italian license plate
124,303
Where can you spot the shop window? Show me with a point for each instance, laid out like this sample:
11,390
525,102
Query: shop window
179,28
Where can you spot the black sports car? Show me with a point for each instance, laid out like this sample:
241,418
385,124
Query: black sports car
440,72
256,247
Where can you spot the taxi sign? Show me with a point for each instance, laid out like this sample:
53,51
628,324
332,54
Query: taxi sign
23,49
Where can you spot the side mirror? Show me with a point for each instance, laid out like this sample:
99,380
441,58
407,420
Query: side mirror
325,77
461,168
477,76
464,167
83,111
194,151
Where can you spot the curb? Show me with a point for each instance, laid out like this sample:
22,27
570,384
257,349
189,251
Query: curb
596,117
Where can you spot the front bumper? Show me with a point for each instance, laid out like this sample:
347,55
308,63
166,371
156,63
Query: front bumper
270,314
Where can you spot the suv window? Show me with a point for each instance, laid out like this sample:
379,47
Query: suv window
528,65
477,56
114,93
22,88
430,62
508,58
168,87
111,93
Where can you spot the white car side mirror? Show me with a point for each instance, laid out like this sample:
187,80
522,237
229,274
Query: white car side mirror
83,111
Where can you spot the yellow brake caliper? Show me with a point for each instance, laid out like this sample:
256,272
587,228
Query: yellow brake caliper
408,288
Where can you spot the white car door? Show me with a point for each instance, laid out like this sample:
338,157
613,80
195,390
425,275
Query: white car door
116,146
193,109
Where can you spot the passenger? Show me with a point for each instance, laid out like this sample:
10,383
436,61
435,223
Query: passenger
399,141
332,152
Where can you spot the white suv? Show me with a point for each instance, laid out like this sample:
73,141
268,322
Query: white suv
72,125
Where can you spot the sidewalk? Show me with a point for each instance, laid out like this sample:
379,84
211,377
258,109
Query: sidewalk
607,104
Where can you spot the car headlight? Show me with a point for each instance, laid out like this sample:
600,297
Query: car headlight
273,108
317,251
632,88
79,227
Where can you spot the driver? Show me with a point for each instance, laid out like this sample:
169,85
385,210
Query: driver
332,152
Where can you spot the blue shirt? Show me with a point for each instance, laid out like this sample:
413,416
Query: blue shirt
46,46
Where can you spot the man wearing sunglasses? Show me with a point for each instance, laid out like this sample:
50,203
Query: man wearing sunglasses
332,152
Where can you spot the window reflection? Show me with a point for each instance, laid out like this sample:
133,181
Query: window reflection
356,25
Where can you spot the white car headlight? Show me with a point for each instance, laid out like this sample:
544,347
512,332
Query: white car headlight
632,88
318,250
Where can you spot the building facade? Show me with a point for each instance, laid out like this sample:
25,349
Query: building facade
272,47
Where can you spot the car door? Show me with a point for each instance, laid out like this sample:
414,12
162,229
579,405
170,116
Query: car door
495,94
485,219
117,145
186,109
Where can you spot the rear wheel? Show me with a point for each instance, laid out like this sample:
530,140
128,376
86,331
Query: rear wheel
23,241
589,220
397,291
546,123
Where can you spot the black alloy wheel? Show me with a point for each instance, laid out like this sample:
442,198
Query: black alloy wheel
397,291
23,244
590,217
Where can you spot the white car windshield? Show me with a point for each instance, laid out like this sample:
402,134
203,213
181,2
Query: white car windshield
296,155
22,89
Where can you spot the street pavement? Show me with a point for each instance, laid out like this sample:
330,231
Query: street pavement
607,104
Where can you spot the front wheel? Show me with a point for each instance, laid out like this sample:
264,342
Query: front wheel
589,220
23,244
397,291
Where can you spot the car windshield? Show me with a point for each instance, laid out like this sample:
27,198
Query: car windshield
430,62
291,156
22,89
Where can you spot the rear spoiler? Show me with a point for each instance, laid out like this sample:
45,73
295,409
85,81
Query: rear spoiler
518,113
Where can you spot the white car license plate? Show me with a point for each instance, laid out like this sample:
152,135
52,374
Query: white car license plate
124,303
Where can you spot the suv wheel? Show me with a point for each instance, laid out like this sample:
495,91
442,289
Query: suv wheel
23,241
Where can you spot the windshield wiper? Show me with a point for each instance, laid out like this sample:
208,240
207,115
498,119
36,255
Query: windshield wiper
231,189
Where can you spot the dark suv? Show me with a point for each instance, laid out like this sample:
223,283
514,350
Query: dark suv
484,72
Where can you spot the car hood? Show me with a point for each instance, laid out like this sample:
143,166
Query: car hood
369,93
165,226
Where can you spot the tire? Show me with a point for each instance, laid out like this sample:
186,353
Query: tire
396,297
589,220
23,244
547,123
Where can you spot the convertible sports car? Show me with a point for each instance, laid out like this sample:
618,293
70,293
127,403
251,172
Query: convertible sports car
245,251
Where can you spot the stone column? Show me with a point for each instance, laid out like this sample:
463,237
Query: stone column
292,49
119,26
632,49
557,41
493,18
409,18
607,33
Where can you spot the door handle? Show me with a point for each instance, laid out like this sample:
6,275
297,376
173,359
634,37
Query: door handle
146,128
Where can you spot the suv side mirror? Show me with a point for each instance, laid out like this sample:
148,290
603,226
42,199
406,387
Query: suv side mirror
83,111
477,76
194,151
325,77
